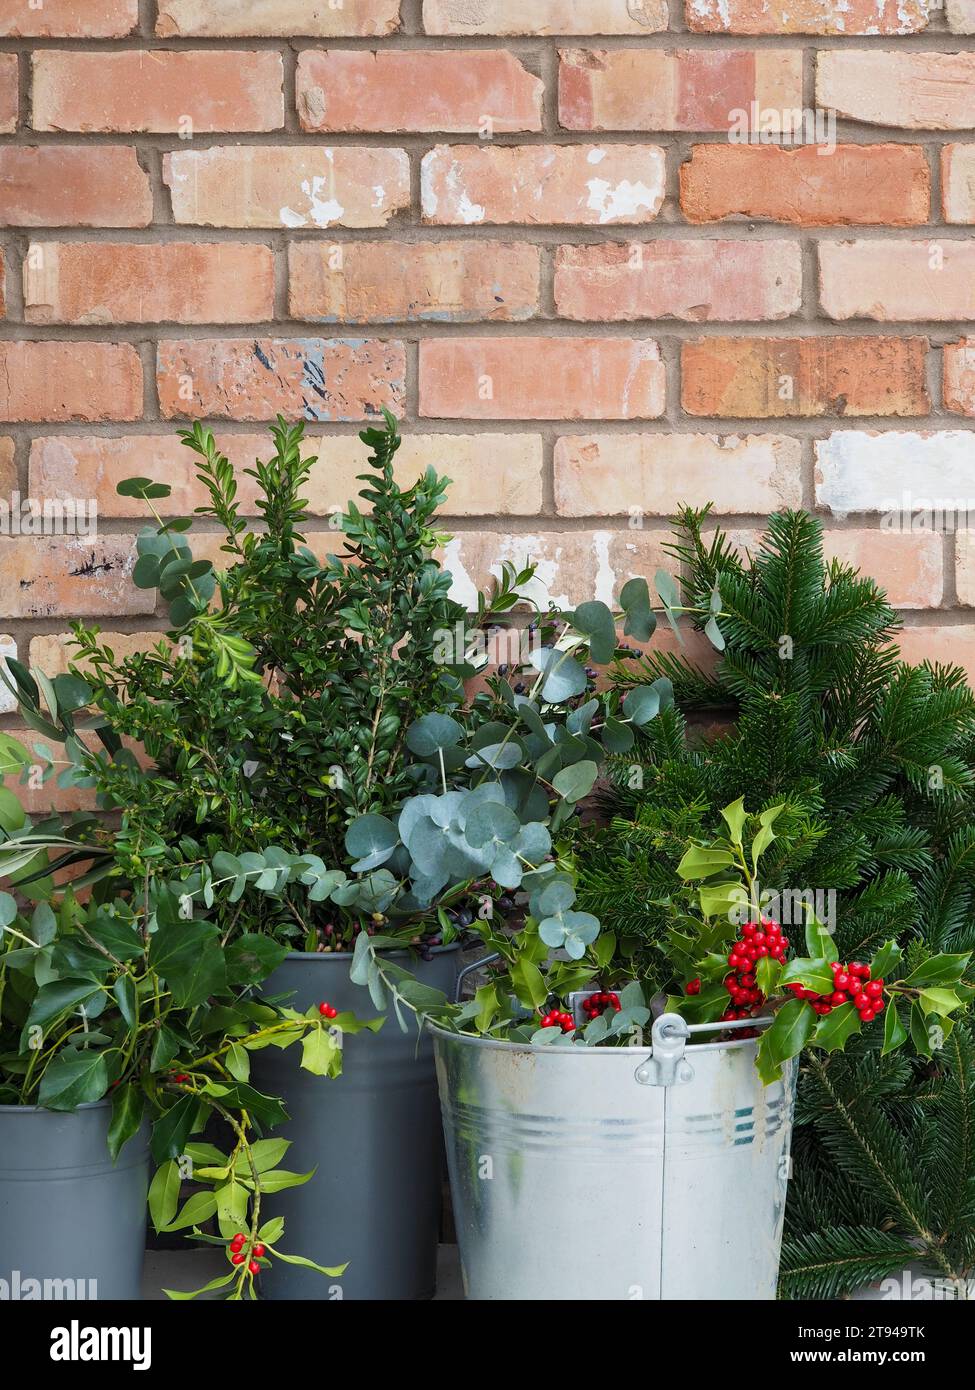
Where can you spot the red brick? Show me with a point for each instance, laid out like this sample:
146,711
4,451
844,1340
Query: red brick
462,90
958,183
387,281
684,89
156,90
287,186
585,184
70,381
276,18
314,378
638,475
54,652
951,644
68,19
887,280
72,185
752,377
491,474
856,184
3,276
58,576
959,376
544,17
9,92
917,91
698,281
909,567
541,378
8,466
844,17
113,282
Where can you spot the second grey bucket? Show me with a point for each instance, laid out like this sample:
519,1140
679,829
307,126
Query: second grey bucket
374,1136
72,1222
615,1173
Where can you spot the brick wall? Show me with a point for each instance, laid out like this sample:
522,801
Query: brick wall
522,225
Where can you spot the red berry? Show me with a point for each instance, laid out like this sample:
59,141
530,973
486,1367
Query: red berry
749,929
258,1251
841,980
859,968
867,1016
784,942
879,1005
855,987
693,986
874,988
254,1267
238,1240
864,1003
837,997
237,1258
327,1011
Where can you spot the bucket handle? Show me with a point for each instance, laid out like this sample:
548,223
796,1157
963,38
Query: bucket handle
667,1065
470,970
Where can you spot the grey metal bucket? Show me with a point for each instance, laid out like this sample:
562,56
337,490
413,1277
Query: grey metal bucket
72,1223
374,1136
615,1173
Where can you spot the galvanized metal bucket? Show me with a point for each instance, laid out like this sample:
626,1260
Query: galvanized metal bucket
372,1134
72,1222
616,1173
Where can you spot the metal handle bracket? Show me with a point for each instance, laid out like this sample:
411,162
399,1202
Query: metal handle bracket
667,1066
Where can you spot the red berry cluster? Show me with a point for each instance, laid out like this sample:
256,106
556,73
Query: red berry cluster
557,1018
596,1004
757,940
851,984
238,1256
693,986
327,1011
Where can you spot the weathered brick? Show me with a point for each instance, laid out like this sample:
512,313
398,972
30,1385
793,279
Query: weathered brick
846,17
287,186
544,17
585,184
313,378
910,567
68,19
70,381
462,90
917,91
903,471
114,282
9,92
573,566
276,19
886,280
59,576
683,89
8,468
951,644
638,475
3,277
73,185
541,378
959,376
856,184
157,90
778,377
958,183
438,281
491,474
965,568
54,652
961,16
698,281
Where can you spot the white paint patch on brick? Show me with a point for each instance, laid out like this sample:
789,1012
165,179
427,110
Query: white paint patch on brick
867,471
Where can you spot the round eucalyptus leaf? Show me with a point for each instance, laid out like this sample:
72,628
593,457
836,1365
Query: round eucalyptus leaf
551,931
617,737
576,781
554,898
370,835
428,735
497,756
596,621
564,677
642,704
533,842
491,822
